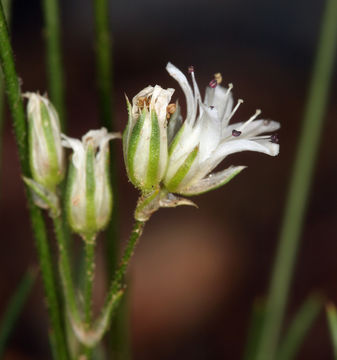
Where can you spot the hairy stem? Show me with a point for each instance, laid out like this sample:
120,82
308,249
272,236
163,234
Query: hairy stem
38,225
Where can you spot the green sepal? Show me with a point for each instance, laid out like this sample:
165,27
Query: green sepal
132,146
154,155
43,198
90,188
177,178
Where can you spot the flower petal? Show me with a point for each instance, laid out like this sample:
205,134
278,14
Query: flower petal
221,99
212,181
238,145
255,128
181,78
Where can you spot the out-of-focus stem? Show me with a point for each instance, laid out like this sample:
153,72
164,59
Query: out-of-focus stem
54,58
300,184
39,230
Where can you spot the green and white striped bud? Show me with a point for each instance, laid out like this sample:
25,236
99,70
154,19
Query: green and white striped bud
145,137
89,193
46,153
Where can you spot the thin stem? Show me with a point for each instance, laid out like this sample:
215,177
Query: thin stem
116,288
89,280
65,268
38,225
300,184
104,74
7,9
54,57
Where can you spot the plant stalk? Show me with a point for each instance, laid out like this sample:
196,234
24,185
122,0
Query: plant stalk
55,70
300,184
38,225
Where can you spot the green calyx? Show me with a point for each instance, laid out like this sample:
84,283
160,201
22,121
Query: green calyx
180,174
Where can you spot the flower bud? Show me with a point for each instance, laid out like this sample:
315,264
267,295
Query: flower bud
145,137
89,194
46,153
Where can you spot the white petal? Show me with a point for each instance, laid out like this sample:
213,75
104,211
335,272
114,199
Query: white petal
255,128
159,101
77,146
238,145
181,78
210,132
221,99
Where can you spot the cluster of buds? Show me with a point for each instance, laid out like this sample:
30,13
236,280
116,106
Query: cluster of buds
89,194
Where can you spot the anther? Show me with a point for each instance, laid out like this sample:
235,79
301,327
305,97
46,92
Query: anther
218,78
236,133
213,83
274,139
266,122
171,108
191,69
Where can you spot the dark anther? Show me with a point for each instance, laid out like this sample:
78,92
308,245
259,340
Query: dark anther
191,69
236,133
274,139
211,107
213,83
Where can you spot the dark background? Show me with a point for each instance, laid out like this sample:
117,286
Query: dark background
196,272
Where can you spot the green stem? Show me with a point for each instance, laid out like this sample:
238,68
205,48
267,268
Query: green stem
7,9
65,268
89,280
104,74
116,289
300,184
39,229
54,58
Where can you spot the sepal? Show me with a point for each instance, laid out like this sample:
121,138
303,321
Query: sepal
150,203
42,197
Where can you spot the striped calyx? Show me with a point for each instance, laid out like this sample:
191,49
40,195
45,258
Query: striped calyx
145,137
45,151
89,193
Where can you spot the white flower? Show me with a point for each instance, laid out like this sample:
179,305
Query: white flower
46,154
89,195
206,138
145,137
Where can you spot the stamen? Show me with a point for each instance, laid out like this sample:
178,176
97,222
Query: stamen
171,108
257,113
213,84
236,133
218,78
274,139
230,87
240,101
191,69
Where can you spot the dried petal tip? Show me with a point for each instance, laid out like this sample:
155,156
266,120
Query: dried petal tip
213,83
191,69
274,139
236,133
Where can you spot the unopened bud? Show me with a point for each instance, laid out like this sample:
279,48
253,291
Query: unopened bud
45,151
89,200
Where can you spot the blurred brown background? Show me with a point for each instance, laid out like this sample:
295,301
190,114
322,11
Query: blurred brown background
196,272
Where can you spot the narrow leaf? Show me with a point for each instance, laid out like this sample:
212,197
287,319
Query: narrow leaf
299,327
14,308
255,328
332,320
